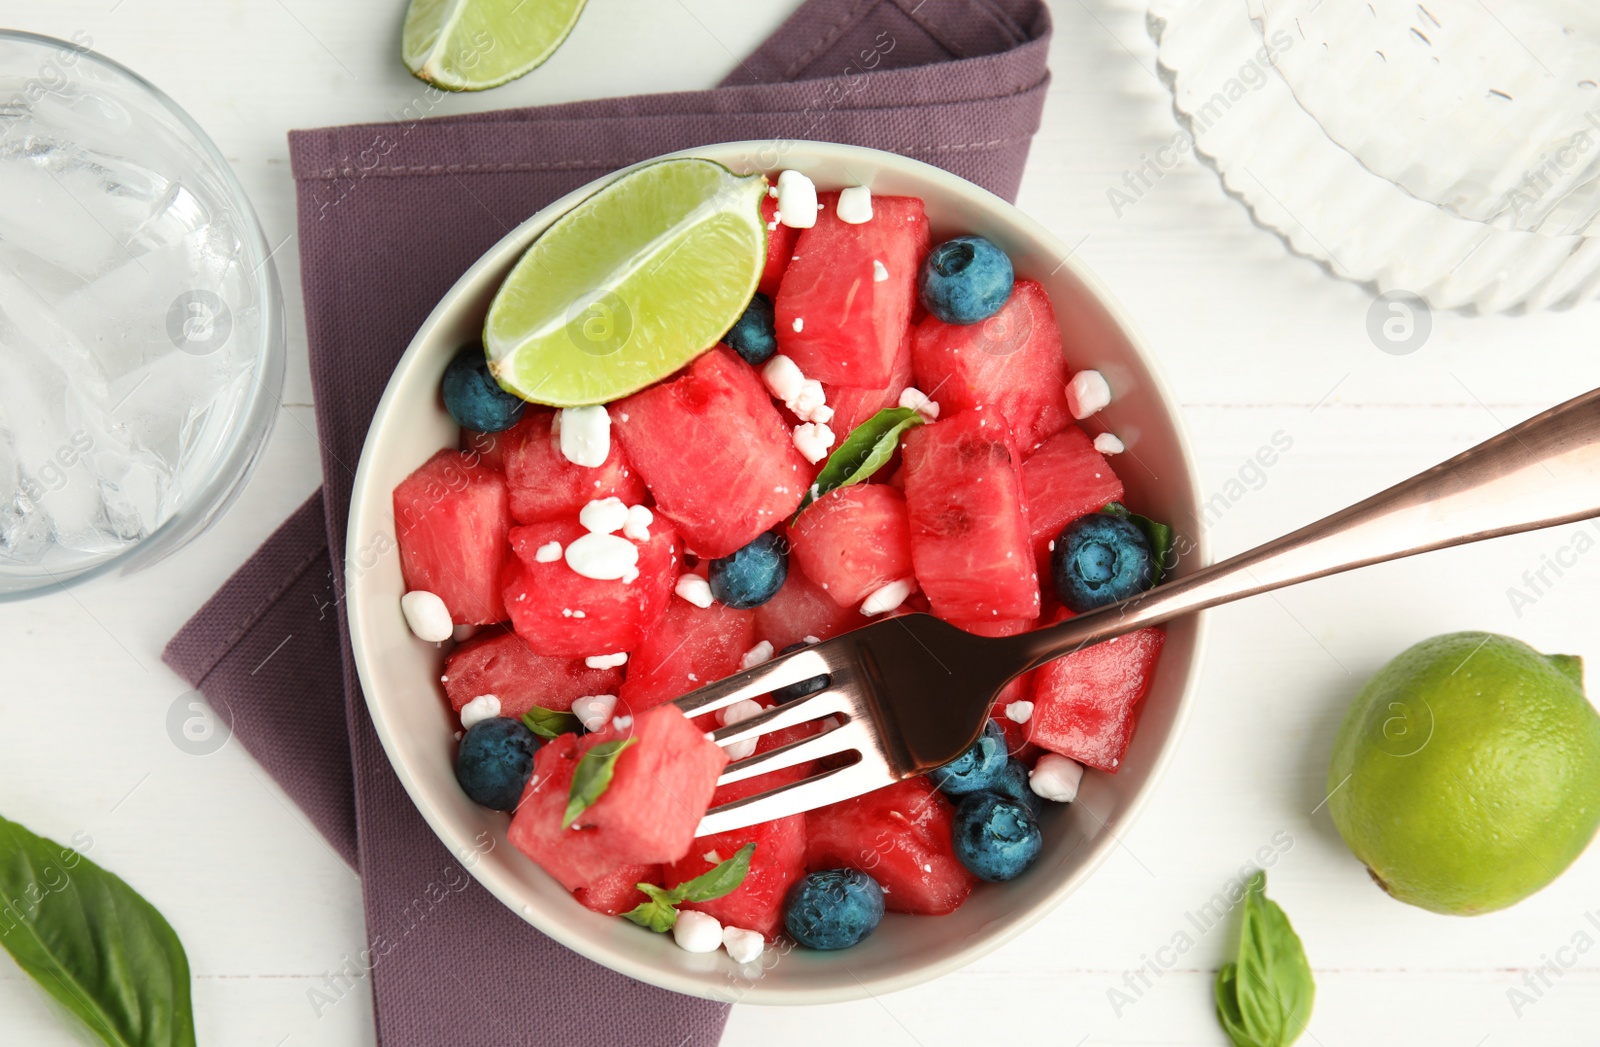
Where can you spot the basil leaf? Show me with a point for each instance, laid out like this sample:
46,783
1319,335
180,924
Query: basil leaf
659,914
1264,998
93,944
592,776
867,449
547,723
1159,535
723,879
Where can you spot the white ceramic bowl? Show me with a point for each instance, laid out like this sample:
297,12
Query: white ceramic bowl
399,674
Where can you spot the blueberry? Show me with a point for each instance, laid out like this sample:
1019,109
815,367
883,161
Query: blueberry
753,575
754,336
833,909
804,687
472,396
1100,559
495,762
976,769
1012,784
995,838
965,280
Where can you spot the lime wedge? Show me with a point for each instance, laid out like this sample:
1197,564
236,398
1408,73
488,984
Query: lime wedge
629,285
470,45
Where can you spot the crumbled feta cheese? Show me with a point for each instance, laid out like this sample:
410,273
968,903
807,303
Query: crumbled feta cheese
918,401
1056,778
1019,712
622,723
483,707
463,632
782,377
594,710
639,520
799,324
694,588
427,616
603,515
739,712
823,414
808,638
879,273
743,946
697,931
855,205
603,557
807,401
1107,443
813,439
797,200
1087,393
888,597
579,614
585,435
713,857
606,661
761,652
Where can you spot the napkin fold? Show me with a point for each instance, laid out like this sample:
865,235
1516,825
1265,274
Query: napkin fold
389,216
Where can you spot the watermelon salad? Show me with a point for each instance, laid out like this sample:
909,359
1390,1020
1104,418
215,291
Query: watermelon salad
892,426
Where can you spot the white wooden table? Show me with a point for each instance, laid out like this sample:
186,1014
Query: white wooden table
1254,341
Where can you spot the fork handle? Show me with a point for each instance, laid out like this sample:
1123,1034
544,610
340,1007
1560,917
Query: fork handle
1542,472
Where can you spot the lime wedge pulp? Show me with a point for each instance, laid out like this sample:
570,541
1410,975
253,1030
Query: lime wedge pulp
629,285
470,45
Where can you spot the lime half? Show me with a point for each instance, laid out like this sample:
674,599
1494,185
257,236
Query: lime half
630,285
470,45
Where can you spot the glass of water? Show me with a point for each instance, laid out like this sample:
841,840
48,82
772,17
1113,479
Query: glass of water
141,320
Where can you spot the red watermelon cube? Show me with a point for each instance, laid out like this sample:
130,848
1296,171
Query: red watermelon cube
562,614
451,517
715,452
1011,362
488,448
780,247
853,540
854,404
846,297
545,485
969,533
1065,478
803,608
575,859
617,891
502,664
687,648
779,860
901,837
1086,704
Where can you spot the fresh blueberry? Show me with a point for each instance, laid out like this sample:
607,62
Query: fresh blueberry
833,909
965,280
995,838
753,575
472,396
1012,784
754,336
804,687
1100,559
976,769
495,762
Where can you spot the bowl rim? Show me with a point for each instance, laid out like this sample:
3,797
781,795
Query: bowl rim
622,960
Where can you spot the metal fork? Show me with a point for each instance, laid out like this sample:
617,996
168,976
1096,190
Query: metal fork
911,693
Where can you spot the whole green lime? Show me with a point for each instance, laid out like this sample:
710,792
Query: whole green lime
1466,774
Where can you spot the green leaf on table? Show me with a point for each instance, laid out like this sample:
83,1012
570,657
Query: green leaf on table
1159,535
867,449
547,723
592,777
93,943
1264,997
660,913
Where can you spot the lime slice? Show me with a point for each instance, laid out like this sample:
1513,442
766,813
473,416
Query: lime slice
629,285
470,45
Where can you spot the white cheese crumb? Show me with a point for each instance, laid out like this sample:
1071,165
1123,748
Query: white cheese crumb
713,857
1019,712
743,946
782,378
879,273
483,707
855,205
808,638
799,324
812,439
1087,394
797,200
808,400
463,632
695,589
739,712
603,515
1056,778
696,931
594,710
888,597
585,435
603,557
606,661
427,616
622,723
761,652
1107,443
918,401
638,525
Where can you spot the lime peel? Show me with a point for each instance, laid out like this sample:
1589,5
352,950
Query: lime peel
472,45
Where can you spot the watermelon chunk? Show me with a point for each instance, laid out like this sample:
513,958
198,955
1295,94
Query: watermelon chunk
803,608
1011,362
562,614
779,860
853,540
501,664
451,517
900,836
1063,479
715,452
544,484
617,892
1086,704
854,404
969,534
835,319
780,247
688,647
488,447
660,789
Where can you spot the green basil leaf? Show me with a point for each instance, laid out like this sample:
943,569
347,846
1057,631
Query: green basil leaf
724,878
1159,535
659,914
1264,997
592,776
93,944
867,449
547,723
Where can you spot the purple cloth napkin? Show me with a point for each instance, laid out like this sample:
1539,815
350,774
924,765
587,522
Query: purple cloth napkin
389,216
